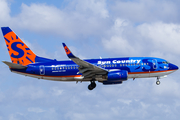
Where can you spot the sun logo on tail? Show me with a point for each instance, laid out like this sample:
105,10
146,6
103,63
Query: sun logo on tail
18,51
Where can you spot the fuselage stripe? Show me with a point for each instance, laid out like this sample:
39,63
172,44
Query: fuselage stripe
50,76
81,75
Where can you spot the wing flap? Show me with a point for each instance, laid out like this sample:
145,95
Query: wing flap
15,66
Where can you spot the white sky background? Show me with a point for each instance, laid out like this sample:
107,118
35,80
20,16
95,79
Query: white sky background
92,28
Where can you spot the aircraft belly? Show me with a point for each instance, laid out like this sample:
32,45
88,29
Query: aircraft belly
53,78
146,75
160,73
80,78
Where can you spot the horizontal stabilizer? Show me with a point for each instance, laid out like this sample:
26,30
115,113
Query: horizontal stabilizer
15,66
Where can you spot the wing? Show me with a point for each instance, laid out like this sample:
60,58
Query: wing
87,69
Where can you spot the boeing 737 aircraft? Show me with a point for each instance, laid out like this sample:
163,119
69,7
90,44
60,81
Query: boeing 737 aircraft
107,71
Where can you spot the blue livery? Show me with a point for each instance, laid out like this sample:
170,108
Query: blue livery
107,71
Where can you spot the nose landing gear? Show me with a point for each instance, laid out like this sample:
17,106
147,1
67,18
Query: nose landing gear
158,82
92,85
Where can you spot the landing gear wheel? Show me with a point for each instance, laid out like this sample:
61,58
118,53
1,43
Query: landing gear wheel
92,85
158,82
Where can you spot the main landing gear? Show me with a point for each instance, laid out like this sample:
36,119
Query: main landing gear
158,82
92,85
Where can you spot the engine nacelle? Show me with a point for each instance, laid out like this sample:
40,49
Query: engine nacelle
121,75
116,77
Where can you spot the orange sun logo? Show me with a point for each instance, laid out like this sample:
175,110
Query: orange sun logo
18,51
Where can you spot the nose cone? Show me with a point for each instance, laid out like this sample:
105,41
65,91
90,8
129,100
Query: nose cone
173,67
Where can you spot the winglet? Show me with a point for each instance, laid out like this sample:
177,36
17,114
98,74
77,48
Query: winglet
68,52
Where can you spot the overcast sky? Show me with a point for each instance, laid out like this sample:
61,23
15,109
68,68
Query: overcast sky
92,29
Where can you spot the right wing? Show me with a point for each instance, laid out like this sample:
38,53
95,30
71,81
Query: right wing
87,69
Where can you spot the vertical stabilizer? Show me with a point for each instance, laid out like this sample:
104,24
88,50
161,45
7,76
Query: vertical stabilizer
19,52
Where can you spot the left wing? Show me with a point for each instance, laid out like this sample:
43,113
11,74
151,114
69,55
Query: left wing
87,69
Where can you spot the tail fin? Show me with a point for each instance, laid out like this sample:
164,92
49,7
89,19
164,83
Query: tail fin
19,52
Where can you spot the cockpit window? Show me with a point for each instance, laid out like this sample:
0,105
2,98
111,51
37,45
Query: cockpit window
165,62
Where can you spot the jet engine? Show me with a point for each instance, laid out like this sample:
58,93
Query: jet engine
116,77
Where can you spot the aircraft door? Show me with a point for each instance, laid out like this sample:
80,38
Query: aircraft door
42,69
155,64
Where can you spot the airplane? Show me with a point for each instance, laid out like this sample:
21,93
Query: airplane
107,71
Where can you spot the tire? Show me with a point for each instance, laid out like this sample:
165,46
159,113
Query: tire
90,87
157,82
